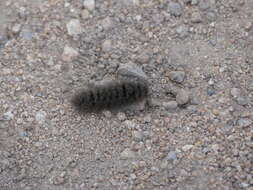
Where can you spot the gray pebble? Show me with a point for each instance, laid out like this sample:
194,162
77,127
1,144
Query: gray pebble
175,9
177,76
242,100
69,53
244,122
143,58
194,2
127,153
171,105
107,23
107,46
16,28
121,116
211,16
182,31
204,4
182,97
40,116
8,116
131,70
26,33
137,135
196,17
210,90
235,92
172,156
89,4
85,14
74,27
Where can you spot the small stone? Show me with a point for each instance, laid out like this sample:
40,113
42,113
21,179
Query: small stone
89,4
204,4
131,70
8,116
121,116
242,100
182,97
244,122
182,31
107,46
196,17
127,153
187,147
40,116
175,9
137,135
107,23
26,33
74,27
210,90
235,92
171,105
69,53
195,2
248,26
211,16
130,124
177,76
85,14
16,28
172,156
143,58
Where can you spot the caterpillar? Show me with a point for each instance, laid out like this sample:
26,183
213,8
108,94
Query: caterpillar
110,96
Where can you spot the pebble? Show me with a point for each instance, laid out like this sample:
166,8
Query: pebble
69,53
211,16
171,105
210,90
196,17
248,26
177,76
16,28
143,58
204,4
130,124
244,122
74,27
239,97
85,14
40,116
195,2
8,116
175,9
187,147
89,4
182,97
107,23
172,156
127,153
107,46
26,33
137,135
182,31
131,70
121,116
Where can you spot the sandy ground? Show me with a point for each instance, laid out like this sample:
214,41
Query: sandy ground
196,131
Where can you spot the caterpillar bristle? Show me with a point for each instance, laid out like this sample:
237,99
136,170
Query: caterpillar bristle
109,96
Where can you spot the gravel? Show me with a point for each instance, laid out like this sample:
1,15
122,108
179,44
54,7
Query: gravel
195,132
182,97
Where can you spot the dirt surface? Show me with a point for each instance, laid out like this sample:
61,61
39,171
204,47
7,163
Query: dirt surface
196,132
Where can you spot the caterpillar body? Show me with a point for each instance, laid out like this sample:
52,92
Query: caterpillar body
110,96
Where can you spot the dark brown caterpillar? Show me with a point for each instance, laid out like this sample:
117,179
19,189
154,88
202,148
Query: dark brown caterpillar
110,96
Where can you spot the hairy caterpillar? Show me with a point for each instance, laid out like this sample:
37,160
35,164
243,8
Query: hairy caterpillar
110,96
